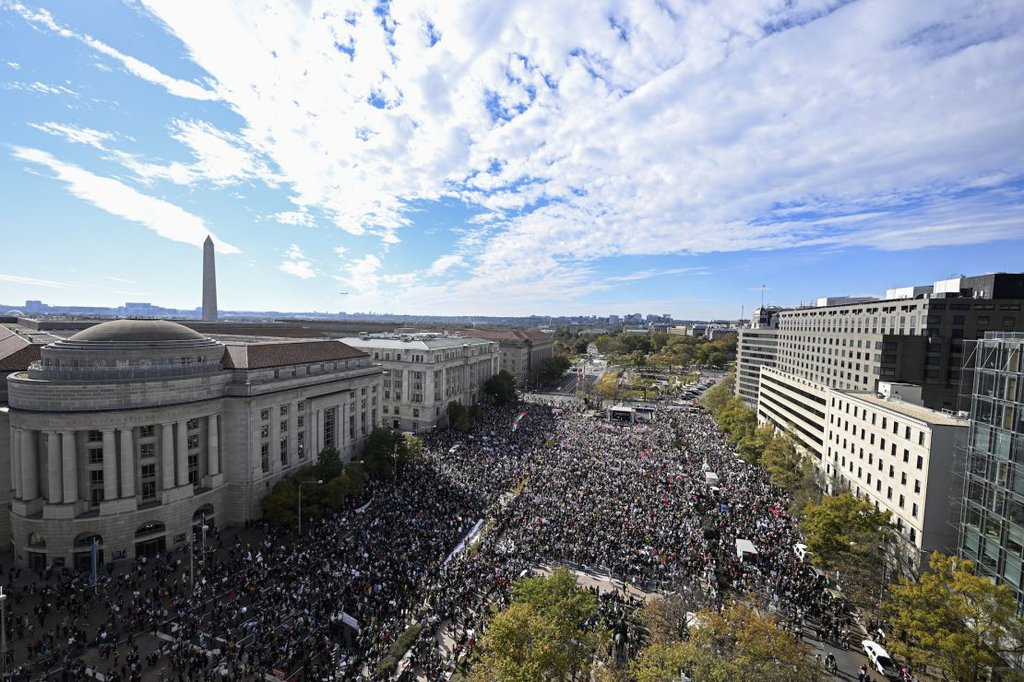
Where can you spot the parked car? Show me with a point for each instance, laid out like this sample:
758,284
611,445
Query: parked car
880,659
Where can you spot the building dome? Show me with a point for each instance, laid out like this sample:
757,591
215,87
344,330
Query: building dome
138,330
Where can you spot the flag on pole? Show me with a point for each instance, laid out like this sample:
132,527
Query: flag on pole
94,553
519,418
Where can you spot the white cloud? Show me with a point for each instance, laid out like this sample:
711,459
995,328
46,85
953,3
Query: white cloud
162,217
297,218
134,66
76,134
706,127
32,281
444,263
14,65
296,263
362,274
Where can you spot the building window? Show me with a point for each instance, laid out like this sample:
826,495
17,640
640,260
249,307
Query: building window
300,421
148,481
415,412
146,431
264,414
95,455
264,431
300,439
193,469
193,442
301,406
95,487
192,423
95,436
284,451
329,418
265,457
913,510
147,450
920,462
284,426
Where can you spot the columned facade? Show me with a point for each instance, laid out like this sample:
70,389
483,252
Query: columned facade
131,430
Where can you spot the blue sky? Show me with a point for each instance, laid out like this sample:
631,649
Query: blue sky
497,158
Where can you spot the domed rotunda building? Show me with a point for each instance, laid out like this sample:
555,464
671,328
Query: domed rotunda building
131,433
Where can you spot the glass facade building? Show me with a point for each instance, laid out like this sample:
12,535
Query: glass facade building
991,530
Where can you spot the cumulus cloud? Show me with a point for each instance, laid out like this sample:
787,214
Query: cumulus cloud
295,263
444,263
362,274
651,128
113,196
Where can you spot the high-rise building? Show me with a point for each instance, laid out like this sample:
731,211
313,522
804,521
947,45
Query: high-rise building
846,353
209,282
992,509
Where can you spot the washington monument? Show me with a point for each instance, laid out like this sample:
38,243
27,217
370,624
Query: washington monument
209,283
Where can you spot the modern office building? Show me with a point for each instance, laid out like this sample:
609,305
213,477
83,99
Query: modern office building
854,352
425,372
755,348
992,508
130,432
853,346
889,449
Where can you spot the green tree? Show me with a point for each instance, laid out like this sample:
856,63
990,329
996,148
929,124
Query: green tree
328,464
643,384
501,388
957,621
384,453
458,417
543,635
740,643
848,534
718,395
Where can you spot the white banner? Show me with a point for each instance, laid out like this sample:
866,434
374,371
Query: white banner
360,510
469,536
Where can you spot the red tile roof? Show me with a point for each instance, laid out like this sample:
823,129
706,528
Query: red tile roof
259,355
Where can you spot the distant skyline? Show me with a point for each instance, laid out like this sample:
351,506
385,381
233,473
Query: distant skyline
507,159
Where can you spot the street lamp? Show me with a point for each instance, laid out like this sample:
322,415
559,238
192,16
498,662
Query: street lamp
302,483
191,552
3,630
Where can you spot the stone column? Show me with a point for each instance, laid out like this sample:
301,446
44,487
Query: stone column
16,463
53,468
293,436
109,465
275,439
70,457
182,458
212,446
127,464
167,456
29,466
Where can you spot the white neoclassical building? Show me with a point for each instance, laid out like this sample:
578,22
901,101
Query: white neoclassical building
423,372
134,431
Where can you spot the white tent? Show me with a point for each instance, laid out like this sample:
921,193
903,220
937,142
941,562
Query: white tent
745,549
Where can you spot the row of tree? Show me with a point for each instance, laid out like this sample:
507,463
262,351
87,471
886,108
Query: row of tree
659,349
775,451
330,484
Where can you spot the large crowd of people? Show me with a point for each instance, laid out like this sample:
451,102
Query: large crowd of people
531,484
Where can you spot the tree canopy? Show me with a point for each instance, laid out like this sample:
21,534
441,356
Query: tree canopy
957,621
542,635
740,643
501,388
848,534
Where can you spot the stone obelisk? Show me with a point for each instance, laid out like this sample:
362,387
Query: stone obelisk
209,283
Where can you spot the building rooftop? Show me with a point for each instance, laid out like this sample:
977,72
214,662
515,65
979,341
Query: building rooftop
413,341
143,331
277,353
918,412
